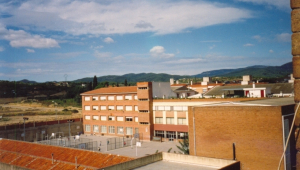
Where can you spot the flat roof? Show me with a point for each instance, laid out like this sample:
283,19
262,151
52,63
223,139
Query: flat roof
167,165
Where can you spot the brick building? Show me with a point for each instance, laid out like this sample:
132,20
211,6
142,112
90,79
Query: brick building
253,132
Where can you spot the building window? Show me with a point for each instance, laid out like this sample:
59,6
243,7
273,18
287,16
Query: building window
120,130
119,107
111,97
102,97
181,121
182,135
170,120
136,130
136,119
87,98
168,108
111,107
160,133
96,128
111,118
103,118
178,108
128,119
143,88
128,97
95,98
143,99
95,107
111,129
144,123
103,107
129,131
87,107
144,111
87,128
158,120
135,97
87,117
128,108
119,97
95,117
120,118
103,129
136,108
185,108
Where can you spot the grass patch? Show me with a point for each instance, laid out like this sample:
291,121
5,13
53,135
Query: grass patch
62,102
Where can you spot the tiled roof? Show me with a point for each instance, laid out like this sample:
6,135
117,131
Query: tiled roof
38,156
127,89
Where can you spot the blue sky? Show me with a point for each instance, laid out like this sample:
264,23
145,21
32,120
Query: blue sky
45,40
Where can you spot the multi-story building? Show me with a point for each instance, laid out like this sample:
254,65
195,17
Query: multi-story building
122,111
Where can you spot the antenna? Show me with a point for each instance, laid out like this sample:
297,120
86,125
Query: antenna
66,76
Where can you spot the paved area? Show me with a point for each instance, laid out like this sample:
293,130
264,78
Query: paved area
166,165
148,147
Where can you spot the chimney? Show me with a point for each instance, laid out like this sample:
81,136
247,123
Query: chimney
177,81
253,85
191,82
171,81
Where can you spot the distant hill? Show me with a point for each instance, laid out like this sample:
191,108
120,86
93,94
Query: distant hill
255,71
131,77
27,81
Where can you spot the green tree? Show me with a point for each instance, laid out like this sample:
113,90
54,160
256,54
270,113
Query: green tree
125,82
184,146
95,82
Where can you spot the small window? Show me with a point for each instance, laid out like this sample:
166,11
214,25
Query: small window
128,108
87,107
128,97
87,99
136,119
129,131
136,108
103,107
143,99
135,97
87,117
96,128
111,118
168,108
120,130
143,88
185,108
87,128
144,111
111,129
128,119
119,97
144,123
120,118
103,129
159,120
181,121
102,97
95,117
119,107
161,108
103,118
95,107
170,120
111,107
178,108
95,98
111,97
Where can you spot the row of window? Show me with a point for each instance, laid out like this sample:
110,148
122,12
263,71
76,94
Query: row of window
127,108
170,108
118,97
170,120
112,118
111,129
171,134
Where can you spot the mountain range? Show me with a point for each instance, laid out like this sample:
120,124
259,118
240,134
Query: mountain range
258,71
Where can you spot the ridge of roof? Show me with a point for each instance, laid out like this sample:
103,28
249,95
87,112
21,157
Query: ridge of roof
126,89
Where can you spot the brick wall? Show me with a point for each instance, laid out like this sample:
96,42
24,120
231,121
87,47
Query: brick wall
255,130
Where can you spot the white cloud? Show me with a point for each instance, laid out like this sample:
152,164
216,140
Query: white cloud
1,49
258,38
185,61
20,38
284,37
212,47
120,17
97,47
108,40
103,55
271,51
280,4
159,51
248,45
30,50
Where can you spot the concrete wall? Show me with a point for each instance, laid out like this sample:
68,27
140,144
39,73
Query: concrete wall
34,129
4,166
255,130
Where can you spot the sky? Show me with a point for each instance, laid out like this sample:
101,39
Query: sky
58,40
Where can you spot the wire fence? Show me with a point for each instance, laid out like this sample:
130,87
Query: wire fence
72,142
121,142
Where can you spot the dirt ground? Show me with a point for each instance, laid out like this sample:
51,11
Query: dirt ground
36,107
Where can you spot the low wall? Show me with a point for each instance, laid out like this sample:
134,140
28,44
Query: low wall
136,162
